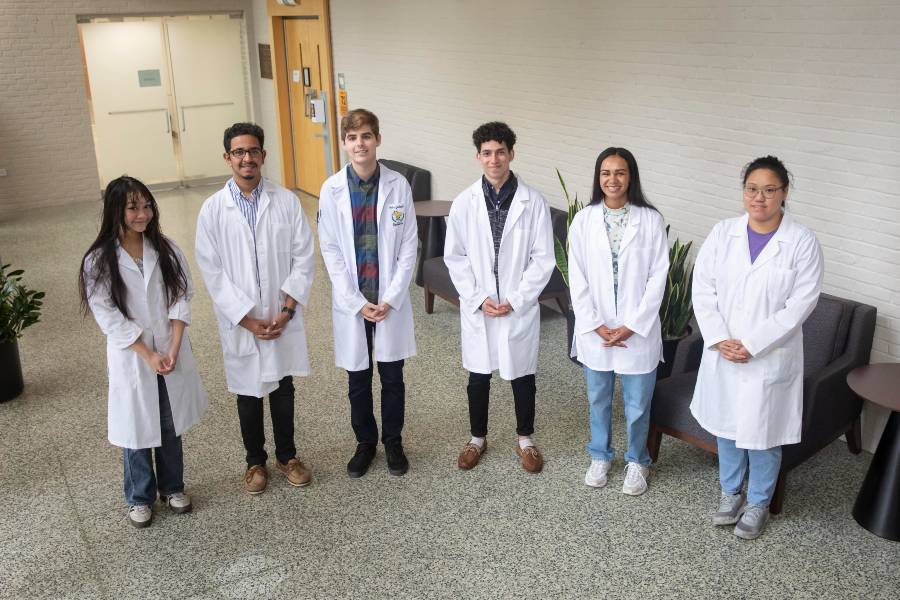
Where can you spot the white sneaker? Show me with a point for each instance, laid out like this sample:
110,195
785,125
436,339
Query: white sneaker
596,474
635,479
178,502
140,515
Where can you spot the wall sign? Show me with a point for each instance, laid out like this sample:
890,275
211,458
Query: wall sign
265,61
149,78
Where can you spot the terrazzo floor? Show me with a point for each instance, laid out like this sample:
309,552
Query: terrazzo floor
494,532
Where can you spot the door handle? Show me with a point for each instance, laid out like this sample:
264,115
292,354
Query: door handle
183,124
168,123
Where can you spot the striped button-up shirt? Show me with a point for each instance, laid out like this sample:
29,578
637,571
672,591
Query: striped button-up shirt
248,207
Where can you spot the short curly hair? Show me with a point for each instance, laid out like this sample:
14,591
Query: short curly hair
494,131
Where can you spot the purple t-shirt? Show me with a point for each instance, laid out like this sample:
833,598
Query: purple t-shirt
757,241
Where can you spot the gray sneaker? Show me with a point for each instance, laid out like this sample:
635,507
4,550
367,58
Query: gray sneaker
731,507
753,522
140,515
178,502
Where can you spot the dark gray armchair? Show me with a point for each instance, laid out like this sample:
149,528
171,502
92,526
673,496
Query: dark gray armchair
437,281
837,337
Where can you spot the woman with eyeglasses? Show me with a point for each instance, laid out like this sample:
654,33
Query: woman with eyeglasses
756,280
618,263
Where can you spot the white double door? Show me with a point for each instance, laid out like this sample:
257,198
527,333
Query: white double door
162,91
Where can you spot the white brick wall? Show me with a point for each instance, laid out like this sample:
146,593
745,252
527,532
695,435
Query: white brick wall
695,88
46,144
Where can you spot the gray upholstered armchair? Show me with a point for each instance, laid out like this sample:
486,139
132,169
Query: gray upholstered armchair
837,337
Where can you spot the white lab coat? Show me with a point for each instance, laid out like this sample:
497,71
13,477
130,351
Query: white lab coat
643,270
133,406
759,404
526,261
397,244
284,253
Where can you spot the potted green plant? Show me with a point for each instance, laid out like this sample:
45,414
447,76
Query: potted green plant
561,251
676,310
20,307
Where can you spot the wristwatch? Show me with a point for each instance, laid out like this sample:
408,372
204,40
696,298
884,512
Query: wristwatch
289,311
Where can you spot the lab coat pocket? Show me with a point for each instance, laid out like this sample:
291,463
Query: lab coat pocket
779,366
779,284
237,341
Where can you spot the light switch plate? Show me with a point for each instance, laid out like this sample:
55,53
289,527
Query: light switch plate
2,172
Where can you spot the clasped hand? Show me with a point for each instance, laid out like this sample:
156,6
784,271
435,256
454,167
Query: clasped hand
266,330
492,309
733,350
375,313
614,337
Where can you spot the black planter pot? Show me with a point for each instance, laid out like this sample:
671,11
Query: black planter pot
11,382
670,347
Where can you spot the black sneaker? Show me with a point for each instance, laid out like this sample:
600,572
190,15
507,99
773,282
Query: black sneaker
396,459
361,460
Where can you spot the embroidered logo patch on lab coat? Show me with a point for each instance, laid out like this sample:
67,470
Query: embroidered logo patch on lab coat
398,217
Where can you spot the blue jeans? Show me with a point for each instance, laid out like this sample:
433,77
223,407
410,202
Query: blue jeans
637,390
141,485
764,467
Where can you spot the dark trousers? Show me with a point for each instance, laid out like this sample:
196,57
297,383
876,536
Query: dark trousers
393,399
250,412
479,392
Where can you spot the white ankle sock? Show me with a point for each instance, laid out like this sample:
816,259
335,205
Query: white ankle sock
478,441
525,442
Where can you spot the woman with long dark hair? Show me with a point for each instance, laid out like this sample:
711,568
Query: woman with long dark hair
136,283
618,264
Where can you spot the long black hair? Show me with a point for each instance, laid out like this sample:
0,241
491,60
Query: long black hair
104,265
635,193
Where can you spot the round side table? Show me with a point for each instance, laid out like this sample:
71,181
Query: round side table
877,506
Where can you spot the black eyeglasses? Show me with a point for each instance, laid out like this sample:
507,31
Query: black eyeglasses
242,152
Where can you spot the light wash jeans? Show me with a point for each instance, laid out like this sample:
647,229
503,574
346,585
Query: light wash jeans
764,467
637,390
141,485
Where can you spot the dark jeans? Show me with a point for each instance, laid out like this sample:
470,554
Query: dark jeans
393,399
250,412
479,392
141,484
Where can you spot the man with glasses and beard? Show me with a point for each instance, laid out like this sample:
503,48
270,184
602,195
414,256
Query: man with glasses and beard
254,248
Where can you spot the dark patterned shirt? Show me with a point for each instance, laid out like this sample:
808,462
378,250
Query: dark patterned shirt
363,206
498,208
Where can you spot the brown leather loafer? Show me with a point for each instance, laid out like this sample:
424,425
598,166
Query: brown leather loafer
470,456
255,479
297,474
531,458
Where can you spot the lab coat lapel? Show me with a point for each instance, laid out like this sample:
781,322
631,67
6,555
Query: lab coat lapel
772,249
634,220
385,191
150,261
340,191
516,208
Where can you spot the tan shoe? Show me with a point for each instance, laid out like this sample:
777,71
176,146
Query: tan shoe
531,458
297,474
255,479
470,456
